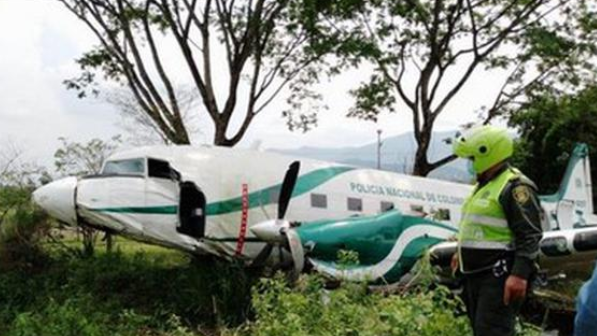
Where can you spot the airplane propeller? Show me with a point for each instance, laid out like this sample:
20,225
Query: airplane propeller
273,231
287,188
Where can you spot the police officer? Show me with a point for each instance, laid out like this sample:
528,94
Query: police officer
499,232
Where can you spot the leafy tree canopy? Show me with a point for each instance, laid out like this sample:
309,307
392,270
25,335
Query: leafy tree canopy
75,158
549,126
423,52
238,55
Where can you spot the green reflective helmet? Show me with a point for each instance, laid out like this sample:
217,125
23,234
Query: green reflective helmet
484,145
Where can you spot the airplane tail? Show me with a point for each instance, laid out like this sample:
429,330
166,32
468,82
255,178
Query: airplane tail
572,205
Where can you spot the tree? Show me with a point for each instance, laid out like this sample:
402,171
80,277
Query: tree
261,49
76,159
22,225
139,126
549,126
423,52
14,180
15,171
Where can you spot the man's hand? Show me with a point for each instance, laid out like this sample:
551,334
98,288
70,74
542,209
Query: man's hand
515,289
454,263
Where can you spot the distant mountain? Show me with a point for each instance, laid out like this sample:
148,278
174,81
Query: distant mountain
397,154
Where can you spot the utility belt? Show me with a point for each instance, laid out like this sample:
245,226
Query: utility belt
481,262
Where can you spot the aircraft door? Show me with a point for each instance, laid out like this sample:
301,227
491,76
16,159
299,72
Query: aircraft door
191,210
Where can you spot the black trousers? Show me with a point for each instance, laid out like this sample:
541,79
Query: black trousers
483,296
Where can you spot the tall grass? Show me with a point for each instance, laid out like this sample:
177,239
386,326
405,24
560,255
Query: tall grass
122,294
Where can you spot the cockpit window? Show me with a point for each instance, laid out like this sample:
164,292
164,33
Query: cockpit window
124,167
162,169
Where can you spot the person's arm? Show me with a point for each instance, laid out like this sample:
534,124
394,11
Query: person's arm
523,213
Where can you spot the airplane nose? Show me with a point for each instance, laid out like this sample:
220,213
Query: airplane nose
58,199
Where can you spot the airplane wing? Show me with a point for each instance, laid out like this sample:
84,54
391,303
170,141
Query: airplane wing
561,251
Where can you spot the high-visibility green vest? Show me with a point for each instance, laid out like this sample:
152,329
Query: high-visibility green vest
483,224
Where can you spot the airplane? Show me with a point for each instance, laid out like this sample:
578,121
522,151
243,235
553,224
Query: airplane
265,208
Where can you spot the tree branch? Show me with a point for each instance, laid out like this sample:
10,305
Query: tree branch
439,163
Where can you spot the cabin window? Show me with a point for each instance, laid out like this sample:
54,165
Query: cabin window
386,206
124,167
355,204
161,169
442,215
319,201
418,210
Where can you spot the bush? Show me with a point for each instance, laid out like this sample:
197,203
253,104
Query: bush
128,294
309,309
22,227
164,293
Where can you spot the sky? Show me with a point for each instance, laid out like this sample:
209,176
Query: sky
40,40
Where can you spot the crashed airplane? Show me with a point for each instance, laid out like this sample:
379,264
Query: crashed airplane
266,208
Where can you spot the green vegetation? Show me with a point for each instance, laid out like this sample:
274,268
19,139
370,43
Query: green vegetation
122,294
147,290
163,292
549,125
308,309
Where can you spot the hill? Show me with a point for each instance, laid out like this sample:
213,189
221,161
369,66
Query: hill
397,154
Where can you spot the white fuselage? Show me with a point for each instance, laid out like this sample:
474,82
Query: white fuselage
323,191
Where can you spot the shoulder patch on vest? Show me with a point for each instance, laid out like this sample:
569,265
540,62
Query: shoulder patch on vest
521,194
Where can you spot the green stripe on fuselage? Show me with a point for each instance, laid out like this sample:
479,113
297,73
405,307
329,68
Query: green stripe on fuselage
263,197
155,210
257,198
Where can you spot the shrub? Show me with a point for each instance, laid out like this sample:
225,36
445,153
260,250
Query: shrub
22,227
309,309
117,293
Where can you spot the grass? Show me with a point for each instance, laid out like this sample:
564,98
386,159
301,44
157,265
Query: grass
137,290
145,290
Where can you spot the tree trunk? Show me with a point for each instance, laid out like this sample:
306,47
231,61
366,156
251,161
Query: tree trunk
109,242
421,165
88,241
220,135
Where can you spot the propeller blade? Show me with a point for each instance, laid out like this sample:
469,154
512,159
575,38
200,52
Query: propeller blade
263,255
287,188
297,251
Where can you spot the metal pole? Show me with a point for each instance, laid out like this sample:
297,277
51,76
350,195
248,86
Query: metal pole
379,149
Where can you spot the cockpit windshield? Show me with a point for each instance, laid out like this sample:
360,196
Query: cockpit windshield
124,167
